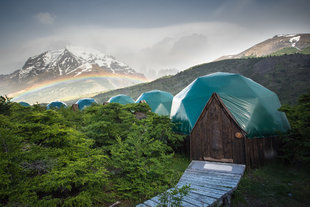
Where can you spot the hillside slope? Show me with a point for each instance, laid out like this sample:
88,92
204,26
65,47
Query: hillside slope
286,75
278,45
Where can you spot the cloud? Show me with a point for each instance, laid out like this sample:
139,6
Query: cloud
146,50
173,50
45,18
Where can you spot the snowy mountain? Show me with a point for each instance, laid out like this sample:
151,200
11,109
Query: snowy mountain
72,61
66,63
278,45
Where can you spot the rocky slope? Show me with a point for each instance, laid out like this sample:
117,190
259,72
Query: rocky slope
278,45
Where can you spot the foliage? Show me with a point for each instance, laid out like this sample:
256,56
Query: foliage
105,124
46,163
296,146
140,165
86,158
173,197
4,104
140,148
160,128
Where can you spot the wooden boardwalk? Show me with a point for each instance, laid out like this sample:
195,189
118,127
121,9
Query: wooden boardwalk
211,184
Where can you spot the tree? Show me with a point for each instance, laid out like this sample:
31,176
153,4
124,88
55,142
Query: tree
296,146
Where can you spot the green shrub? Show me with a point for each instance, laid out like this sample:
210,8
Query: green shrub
140,165
4,105
85,158
173,197
106,123
296,146
46,163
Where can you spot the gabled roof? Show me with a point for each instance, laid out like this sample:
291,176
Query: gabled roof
215,97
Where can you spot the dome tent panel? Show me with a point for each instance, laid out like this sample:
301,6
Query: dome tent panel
159,101
56,105
25,104
85,102
162,109
121,99
254,107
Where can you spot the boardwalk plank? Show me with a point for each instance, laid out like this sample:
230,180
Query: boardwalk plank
209,183
210,179
150,203
141,205
212,193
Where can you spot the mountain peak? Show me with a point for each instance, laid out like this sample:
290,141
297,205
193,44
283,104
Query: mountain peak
84,52
73,61
67,62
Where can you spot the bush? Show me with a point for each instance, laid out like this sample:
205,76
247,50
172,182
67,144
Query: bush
140,165
106,123
46,163
85,158
296,146
4,105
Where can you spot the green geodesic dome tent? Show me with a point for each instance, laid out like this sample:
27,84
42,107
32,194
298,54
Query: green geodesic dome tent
25,104
121,99
85,102
159,101
254,107
56,104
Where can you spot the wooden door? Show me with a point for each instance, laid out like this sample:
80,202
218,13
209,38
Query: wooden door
218,135
213,137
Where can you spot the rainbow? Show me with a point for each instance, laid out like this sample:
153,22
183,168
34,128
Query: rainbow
51,83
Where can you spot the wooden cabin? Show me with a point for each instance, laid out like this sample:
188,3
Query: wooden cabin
217,136
75,107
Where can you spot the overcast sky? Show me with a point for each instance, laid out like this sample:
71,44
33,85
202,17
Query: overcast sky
148,35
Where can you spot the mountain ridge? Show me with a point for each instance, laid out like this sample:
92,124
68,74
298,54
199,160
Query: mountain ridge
69,61
286,75
288,43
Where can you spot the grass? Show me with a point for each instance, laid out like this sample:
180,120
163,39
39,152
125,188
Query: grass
285,51
291,50
274,185
179,164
